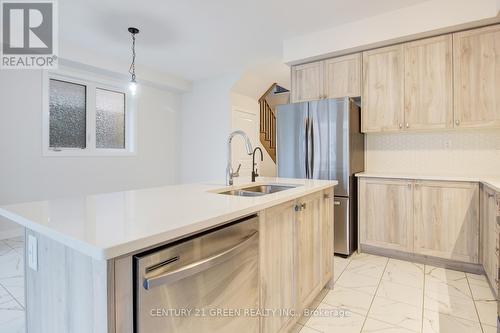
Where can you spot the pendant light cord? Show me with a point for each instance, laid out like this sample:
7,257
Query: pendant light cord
132,65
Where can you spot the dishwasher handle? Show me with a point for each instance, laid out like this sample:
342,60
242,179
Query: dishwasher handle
200,265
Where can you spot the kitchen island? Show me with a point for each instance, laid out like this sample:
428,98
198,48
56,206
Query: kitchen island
80,251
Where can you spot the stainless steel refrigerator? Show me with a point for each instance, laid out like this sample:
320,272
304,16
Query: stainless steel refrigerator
323,140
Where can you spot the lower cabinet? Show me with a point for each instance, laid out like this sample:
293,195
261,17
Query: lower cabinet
386,213
327,237
431,218
489,235
309,248
277,264
447,220
296,257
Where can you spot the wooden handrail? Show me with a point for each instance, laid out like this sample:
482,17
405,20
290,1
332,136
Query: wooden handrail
268,128
267,91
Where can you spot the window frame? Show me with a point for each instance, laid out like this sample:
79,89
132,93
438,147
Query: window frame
91,83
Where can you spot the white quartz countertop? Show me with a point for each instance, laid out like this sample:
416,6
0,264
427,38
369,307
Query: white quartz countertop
109,225
491,181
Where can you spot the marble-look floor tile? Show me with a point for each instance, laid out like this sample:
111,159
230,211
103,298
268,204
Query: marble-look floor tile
366,268
359,258
328,321
15,243
446,282
377,326
11,264
481,290
305,329
489,329
447,276
401,293
487,311
12,321
479,279
339,265
349,299
7,302
4,248
358,282
435,322
454,305
15,286
482,293
396,313
404,272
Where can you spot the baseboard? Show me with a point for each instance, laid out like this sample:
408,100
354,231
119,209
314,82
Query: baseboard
11,233
423,259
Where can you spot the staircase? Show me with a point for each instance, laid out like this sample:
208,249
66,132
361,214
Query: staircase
273,97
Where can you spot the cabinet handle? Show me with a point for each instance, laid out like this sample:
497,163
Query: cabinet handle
457,122
336,203
299,208
407,125
400,125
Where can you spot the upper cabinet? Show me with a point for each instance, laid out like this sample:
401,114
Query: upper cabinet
383,87
332,78
477,77
343,76
428,83
443,82
307,82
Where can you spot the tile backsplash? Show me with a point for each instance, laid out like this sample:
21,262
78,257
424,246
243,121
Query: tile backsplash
459,152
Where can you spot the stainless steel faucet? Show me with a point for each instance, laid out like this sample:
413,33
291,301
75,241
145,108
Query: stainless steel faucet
230,174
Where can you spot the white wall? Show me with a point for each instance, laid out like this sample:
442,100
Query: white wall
463,152
428,16
26,175
205,126
242,103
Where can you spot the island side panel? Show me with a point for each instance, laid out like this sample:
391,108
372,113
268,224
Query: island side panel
69,291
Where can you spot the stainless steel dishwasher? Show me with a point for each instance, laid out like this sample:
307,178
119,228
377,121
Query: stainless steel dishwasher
206,283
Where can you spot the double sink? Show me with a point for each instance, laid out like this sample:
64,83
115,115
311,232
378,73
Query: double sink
258,190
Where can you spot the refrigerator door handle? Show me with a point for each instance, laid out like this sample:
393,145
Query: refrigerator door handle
306,143
311,149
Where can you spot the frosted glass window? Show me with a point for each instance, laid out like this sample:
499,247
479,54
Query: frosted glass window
68,116
110,119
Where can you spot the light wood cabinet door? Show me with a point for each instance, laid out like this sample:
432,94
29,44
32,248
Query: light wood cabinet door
386,213
308,247
343,76
489,235
447,220
307,82
429,83
327,223
383,89
278,284
477,77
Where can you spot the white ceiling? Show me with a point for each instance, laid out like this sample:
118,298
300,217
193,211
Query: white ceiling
196,39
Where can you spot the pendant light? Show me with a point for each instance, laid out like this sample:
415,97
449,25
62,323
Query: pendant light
133,83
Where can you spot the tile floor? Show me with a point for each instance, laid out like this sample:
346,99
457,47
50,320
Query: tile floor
12,285
372,294
377,294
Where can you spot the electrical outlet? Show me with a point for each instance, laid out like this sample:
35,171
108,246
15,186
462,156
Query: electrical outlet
32,252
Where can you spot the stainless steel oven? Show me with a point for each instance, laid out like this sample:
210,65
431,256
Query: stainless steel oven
207,283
